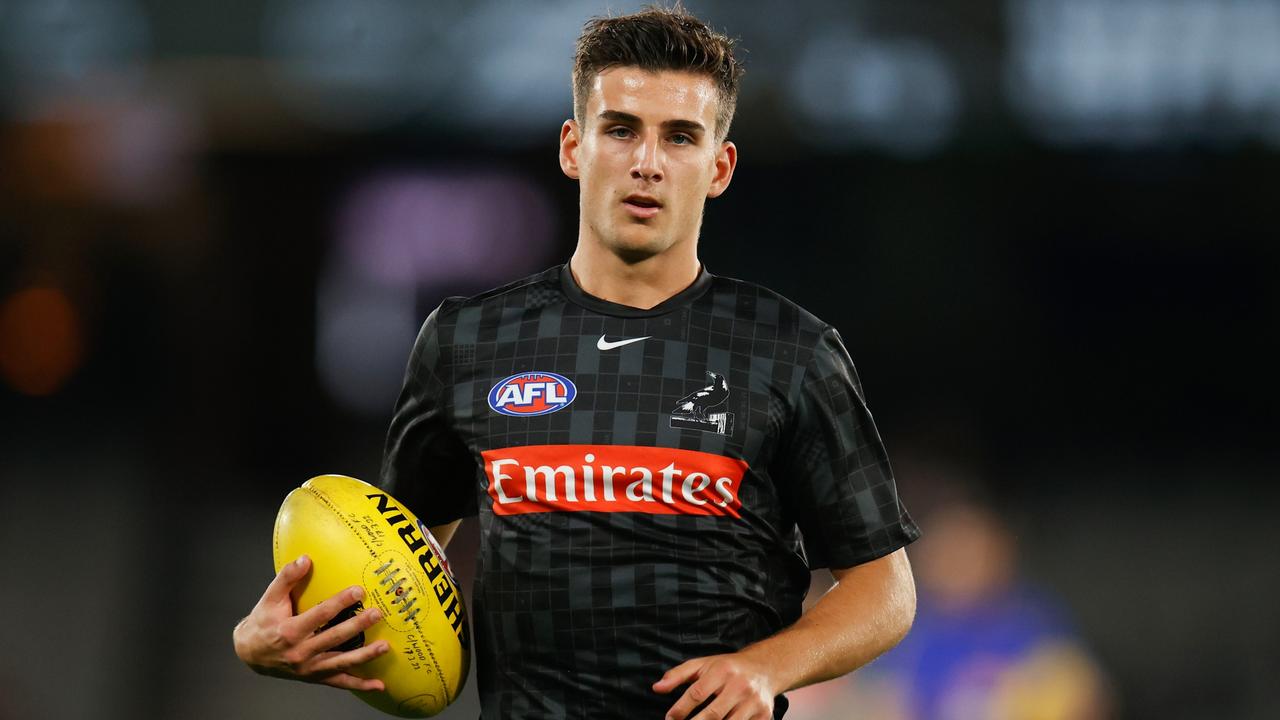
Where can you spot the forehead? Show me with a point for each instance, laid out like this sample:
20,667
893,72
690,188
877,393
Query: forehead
654,95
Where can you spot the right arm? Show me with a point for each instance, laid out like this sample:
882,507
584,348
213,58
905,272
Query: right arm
420,444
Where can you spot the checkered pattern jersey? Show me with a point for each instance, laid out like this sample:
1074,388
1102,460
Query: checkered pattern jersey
577,613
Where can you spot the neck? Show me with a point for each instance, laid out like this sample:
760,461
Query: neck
642,284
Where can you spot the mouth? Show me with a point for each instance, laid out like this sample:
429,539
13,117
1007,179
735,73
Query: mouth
642,206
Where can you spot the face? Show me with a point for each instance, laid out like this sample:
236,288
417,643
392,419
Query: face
646,159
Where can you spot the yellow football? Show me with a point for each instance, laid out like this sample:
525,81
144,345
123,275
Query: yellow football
357,534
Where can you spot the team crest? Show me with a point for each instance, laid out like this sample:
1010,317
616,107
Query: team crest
693,411
532,393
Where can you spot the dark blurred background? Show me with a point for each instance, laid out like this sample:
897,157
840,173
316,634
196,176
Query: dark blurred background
1046,230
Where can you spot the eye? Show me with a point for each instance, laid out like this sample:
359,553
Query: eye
618,132
681,139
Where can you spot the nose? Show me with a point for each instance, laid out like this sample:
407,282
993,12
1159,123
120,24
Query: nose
648,160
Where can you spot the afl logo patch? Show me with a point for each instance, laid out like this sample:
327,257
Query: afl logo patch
532,393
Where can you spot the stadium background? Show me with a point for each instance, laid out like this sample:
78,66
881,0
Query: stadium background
1045,228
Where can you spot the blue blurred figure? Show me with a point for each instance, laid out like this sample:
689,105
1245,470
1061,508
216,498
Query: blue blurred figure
985,646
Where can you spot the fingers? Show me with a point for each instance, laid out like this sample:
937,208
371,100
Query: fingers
284,580
679,675
343,631
351,682
341,662
723,695
720,710
740,713
695,696
317,617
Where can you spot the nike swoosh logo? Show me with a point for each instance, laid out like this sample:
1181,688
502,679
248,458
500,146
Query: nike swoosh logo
603,344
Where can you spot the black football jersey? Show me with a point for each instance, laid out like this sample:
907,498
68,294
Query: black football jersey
652,485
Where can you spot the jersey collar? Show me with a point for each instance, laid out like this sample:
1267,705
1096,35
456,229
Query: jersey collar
580,297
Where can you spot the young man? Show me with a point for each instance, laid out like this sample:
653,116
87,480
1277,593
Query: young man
647,445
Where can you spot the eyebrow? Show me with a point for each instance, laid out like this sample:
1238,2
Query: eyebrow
622,117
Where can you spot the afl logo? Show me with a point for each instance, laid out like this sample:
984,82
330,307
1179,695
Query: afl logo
532,393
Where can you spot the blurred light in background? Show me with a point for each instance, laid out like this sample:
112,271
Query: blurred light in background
1145,71
142,152
41,343
357,66
406,233
429,229
59,47
127,152
514,67
896,95
364,335
87,127
1125,72
478,66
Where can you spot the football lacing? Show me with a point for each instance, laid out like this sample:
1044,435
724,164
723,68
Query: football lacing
402,594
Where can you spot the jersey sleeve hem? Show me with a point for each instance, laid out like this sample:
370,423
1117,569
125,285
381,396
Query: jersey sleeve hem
900,537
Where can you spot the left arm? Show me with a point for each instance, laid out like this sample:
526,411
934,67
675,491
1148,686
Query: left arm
868,611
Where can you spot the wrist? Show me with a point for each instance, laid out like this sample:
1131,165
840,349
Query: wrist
773,665
238,641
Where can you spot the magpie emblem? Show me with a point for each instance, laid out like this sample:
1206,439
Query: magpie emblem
693,411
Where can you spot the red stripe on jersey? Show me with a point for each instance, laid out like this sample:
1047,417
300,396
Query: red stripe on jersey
612,478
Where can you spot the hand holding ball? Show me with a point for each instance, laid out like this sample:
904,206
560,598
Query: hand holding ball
357,535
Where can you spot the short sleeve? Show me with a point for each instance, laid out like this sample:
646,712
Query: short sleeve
425,464
833,472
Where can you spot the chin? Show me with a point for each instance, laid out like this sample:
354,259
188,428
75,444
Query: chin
637,244
634,255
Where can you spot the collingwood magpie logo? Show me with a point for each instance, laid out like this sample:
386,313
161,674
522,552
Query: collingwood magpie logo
692,412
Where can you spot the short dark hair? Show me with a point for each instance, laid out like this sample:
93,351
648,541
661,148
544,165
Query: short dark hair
658,38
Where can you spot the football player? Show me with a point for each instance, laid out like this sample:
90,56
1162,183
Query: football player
658,456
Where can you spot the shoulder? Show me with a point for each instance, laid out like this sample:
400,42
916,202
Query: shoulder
454,325
528,292
757,304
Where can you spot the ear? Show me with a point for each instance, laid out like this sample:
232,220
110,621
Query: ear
726,161
570,141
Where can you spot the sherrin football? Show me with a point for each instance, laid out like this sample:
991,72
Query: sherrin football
358,535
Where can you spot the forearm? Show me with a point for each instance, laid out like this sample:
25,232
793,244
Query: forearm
868,611
444,533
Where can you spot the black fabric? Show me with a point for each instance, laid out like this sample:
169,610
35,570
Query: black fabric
578,611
